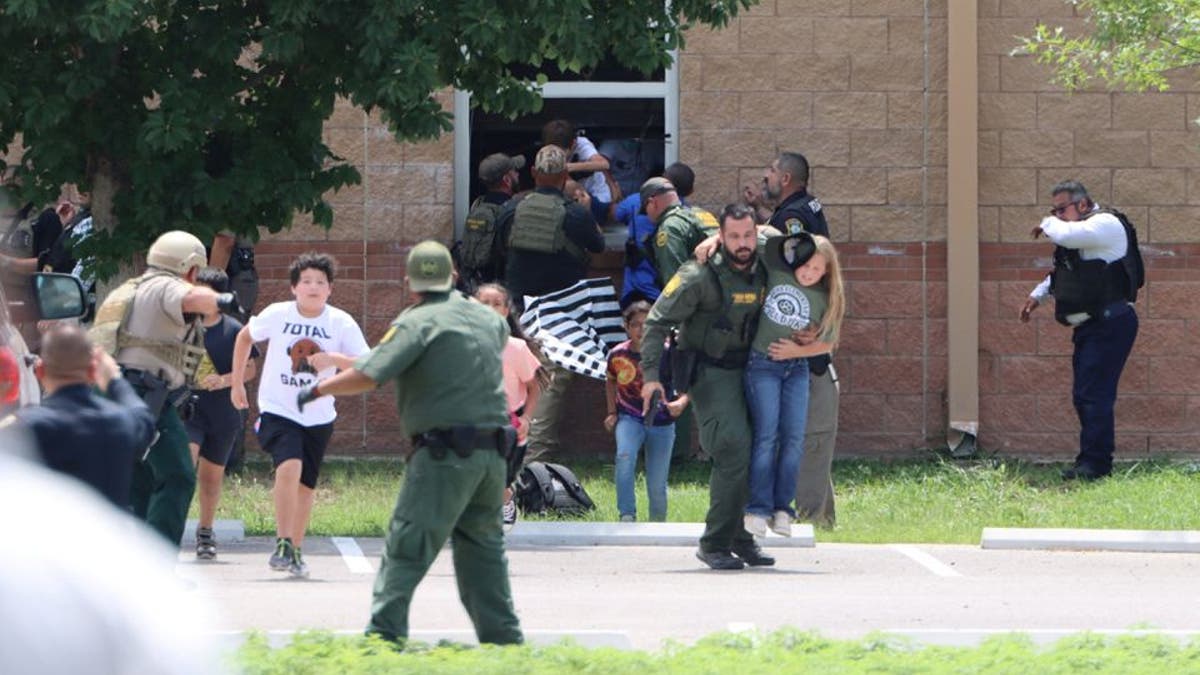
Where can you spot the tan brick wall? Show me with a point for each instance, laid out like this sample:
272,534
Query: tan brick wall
859,86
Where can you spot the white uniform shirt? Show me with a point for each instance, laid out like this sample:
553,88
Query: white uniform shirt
1100,236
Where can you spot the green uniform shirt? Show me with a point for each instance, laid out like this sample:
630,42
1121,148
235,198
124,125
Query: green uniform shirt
444,354
679,231
715,318
788,307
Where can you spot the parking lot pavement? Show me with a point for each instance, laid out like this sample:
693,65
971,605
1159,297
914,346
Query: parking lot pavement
935,593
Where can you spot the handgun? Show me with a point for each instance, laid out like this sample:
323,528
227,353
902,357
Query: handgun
652,411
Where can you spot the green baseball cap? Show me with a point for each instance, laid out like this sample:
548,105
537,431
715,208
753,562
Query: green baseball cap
429,267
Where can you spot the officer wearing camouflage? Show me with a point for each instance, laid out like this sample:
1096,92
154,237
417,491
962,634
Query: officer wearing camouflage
444,354
151,325
715,308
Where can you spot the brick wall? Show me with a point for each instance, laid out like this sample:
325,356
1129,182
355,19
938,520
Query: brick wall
859,86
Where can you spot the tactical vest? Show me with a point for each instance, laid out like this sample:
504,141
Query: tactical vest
701,225
109,332
723,335
479,235
1085,285
538,226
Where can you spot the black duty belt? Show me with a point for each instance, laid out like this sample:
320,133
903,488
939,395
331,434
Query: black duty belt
154,391
729,361
464,440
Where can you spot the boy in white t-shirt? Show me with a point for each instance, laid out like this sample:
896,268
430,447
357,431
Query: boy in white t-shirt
585,162
308,340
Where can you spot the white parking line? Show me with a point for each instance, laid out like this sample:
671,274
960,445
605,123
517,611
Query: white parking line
353,555
925,560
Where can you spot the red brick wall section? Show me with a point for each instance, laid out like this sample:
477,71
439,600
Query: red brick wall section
1025,369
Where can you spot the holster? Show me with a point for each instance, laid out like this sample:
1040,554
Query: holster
683,367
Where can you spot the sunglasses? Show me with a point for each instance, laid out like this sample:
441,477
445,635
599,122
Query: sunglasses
1059,210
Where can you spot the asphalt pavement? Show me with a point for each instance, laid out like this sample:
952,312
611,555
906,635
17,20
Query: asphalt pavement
644,596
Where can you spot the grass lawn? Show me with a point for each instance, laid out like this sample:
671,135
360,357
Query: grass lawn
785,651
932,500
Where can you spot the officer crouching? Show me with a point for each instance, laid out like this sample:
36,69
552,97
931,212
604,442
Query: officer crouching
151,324
444,353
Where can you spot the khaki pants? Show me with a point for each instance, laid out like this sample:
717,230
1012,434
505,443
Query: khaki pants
543,426
814,482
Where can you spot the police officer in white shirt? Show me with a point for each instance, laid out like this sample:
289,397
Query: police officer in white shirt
1093,284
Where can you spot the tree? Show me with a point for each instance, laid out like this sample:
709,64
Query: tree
208,115
1134,44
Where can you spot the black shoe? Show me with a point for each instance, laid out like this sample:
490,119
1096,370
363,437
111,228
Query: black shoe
1084,472
752,555
719,560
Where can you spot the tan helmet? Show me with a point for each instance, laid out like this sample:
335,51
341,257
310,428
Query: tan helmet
176,251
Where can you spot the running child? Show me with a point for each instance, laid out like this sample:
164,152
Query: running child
308,340
524,378
804,294
623,393
214,424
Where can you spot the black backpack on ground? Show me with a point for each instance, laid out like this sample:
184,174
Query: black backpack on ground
553,488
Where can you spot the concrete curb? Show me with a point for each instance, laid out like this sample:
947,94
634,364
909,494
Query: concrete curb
592,639
529,533
1144,541
226,531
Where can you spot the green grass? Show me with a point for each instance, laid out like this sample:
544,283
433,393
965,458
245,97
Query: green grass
785,651
930,500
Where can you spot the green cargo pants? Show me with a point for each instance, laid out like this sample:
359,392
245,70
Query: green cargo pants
457,498
162,486
719,398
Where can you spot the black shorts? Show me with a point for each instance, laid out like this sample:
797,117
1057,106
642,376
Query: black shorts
284,439
214,426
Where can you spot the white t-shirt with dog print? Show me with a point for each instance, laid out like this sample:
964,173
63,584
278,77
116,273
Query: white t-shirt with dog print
291,339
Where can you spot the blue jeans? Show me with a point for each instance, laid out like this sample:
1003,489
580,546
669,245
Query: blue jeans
631,435
777,396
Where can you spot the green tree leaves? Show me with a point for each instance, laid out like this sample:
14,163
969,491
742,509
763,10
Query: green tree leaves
208,115
1132,44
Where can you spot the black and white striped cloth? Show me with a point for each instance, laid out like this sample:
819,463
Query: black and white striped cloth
576,325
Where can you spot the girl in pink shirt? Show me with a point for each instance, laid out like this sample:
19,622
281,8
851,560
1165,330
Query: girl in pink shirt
523,375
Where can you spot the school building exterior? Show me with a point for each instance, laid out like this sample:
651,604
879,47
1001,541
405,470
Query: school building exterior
932,149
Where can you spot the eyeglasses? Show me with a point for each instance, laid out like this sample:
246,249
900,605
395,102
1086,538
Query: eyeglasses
1059,210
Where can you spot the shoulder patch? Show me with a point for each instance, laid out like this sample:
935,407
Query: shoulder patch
707,219
672,285
660,239
793,226
814,204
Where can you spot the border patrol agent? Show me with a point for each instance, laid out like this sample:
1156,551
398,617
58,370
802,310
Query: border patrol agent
678,228
1093,283
716,308
151,325
444,353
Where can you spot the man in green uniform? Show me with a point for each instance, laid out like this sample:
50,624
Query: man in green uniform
151,326
678,229
715,307
444,353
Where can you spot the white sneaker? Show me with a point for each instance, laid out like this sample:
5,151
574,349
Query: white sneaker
755,525
781,524
508,515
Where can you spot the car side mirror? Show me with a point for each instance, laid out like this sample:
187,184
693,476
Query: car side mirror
58,296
